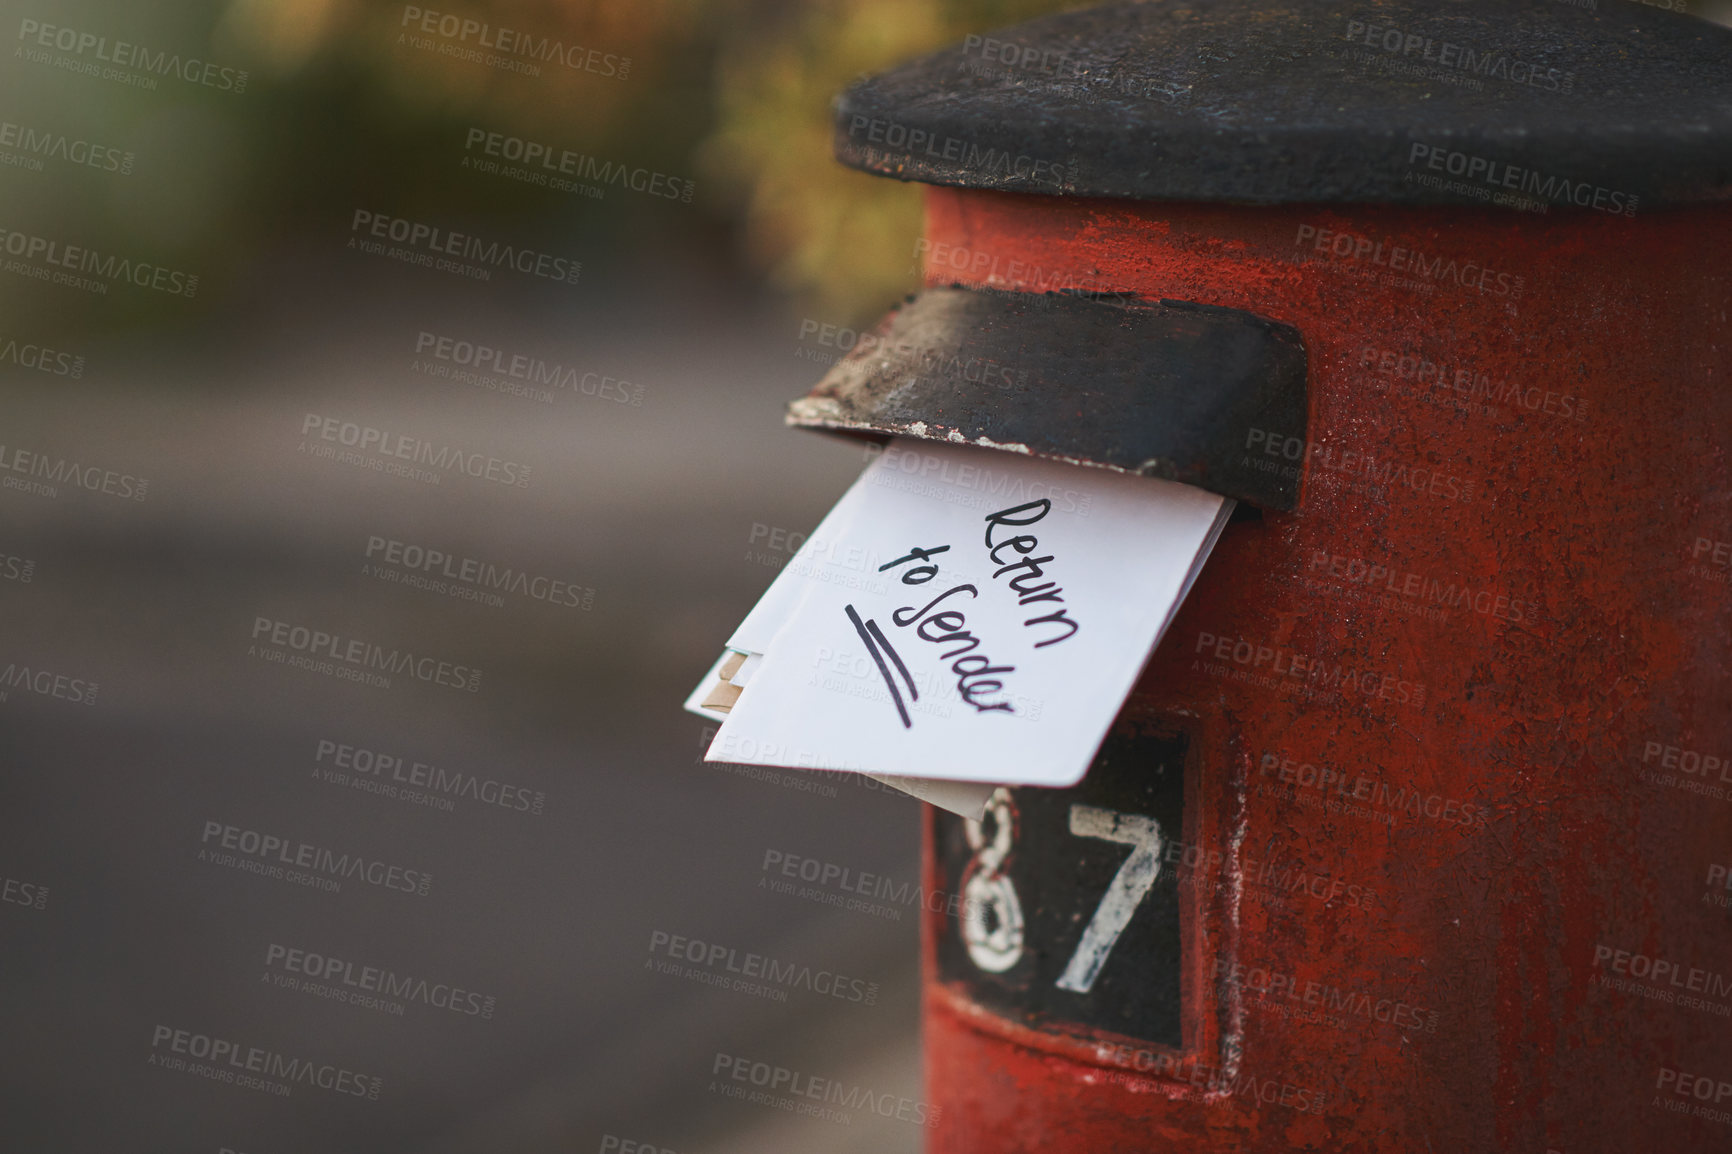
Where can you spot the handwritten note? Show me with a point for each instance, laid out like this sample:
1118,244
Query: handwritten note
964,614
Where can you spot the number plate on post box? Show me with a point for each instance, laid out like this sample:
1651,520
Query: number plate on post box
1070,909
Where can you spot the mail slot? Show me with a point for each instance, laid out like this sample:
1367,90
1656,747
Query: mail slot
1413,834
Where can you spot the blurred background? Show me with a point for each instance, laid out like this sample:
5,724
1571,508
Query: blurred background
244,247
201,308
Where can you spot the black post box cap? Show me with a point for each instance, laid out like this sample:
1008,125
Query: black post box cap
1247,101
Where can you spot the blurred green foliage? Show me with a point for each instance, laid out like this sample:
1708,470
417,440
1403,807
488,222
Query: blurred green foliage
341,112
736,91
841,237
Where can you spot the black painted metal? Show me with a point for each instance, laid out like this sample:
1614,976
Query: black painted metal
1173,390
1057,878
1265,102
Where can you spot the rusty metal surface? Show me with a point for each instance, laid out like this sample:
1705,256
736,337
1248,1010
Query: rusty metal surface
1497,619
1168,389
1241,100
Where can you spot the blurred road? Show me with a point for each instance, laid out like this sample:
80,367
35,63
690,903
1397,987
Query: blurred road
134,810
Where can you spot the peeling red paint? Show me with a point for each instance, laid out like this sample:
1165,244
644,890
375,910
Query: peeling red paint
1541,714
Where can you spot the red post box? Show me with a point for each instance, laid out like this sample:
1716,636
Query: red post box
1416,834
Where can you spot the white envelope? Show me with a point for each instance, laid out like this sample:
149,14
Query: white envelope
968,615
822,557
